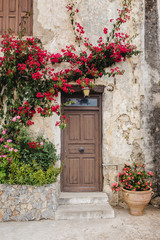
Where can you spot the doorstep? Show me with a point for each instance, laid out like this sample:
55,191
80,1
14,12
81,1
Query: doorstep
86,205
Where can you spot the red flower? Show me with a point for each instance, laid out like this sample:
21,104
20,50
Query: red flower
39,95
29,122
105,30
55,108
33,144
39,110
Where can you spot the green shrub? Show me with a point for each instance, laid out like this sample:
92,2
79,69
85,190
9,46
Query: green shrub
27,174
3,170
26,160
45,155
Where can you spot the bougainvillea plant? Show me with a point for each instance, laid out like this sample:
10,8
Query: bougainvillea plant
30,84
27,81
133,178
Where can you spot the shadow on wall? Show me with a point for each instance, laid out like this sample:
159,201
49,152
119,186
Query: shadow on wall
156,136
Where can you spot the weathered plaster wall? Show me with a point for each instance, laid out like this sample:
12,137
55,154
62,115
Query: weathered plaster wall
132,110
150,108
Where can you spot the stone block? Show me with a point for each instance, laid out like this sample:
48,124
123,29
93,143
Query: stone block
47,214
156,202
1,215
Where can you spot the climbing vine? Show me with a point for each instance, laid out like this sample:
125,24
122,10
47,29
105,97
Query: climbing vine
30,84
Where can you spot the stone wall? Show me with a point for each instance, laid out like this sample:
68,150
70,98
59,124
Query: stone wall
24,203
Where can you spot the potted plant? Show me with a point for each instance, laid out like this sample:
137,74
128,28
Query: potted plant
136,187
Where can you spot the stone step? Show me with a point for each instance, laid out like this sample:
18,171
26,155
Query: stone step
84,211
68,198
88,205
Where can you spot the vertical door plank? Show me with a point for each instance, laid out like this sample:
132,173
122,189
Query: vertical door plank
12,15
74,127
3,10
89,170
24,7
73,170
88,127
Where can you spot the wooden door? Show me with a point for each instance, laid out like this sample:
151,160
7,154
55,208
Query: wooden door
81,143
11,13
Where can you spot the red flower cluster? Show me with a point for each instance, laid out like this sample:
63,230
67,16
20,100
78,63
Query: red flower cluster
79,28
55,108
39,95
85,82
50,95
44,112
133,178
37,75
69,6
34,145
56,58
105,30
21,67
25,112
29,122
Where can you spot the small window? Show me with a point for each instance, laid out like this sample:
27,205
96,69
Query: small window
11,14
82,102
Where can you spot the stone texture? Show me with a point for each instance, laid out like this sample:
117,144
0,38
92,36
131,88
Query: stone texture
25,203
84,211
86,205
156,202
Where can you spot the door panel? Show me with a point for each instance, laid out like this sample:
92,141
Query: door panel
81,151
2,16
89,166
74,127
88,127
24,7
74,170
12,15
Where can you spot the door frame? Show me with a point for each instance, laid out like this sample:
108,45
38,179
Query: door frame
95,92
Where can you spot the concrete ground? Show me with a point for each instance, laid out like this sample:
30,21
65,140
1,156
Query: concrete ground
122,227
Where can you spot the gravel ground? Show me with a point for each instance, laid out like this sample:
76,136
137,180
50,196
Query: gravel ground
122,227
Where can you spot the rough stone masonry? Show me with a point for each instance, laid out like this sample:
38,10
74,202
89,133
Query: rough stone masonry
26,203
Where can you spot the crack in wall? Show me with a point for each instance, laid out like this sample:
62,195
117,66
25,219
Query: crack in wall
126,122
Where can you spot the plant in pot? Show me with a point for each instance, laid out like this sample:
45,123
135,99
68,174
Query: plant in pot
136,187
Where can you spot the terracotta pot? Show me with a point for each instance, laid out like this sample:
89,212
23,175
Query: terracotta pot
137,200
